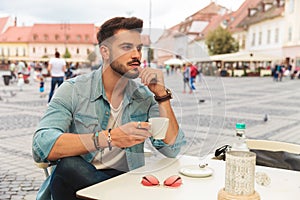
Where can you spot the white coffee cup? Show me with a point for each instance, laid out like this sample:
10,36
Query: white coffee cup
159,127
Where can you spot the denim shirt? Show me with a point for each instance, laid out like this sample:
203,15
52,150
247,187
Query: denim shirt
80,106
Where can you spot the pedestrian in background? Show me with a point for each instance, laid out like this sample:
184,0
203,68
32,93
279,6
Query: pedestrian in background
20,81
12,69
186,78
193,74
42,87
56,68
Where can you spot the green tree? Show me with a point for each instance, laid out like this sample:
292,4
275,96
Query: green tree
67,54
220,41
92,57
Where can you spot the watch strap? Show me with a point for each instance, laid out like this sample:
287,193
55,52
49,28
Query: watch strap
166,97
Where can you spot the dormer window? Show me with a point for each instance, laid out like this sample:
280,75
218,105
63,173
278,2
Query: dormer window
87,37
67,37
35,37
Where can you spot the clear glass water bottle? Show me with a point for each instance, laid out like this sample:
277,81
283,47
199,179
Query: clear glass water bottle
240,143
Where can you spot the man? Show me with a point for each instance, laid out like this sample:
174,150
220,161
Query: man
12,69
57,68
186,78
193,74
96,124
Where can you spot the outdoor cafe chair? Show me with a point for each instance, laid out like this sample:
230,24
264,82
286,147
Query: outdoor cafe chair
269,153
276,154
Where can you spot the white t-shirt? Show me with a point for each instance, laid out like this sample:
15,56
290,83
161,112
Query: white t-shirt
57,69
115,158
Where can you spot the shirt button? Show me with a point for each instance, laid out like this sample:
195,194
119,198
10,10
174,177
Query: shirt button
106,113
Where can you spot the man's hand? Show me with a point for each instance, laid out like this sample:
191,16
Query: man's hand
154,79
130,134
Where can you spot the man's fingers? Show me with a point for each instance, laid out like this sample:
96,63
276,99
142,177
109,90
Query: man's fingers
142,125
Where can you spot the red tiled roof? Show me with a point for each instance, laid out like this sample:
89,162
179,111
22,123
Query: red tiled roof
261,15
215,23
3,22
16,34
239,15
61,33
207,12
233,19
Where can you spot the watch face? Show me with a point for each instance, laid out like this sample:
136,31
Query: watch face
169,92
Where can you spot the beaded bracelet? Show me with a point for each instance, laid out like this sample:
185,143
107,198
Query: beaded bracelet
109,140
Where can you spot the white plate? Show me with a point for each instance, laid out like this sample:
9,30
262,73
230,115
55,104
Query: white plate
196,171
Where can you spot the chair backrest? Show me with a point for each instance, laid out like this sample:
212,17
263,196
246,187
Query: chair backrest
273,146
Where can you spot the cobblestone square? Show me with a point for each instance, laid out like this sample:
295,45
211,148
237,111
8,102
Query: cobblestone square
207,125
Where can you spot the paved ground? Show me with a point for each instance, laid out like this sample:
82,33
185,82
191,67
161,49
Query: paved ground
207,125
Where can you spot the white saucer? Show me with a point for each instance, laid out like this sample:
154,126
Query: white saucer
196,171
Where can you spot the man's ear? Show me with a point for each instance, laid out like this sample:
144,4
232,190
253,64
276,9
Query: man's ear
104,52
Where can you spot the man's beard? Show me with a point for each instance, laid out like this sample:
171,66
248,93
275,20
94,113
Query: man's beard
122,70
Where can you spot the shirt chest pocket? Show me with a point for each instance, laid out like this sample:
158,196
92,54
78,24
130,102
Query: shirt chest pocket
143,117
85,123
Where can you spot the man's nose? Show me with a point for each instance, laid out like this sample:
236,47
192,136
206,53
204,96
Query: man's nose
136,53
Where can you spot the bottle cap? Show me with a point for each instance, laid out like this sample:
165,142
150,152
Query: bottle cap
240,126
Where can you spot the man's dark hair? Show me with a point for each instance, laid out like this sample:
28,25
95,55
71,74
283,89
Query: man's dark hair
111,26
57,54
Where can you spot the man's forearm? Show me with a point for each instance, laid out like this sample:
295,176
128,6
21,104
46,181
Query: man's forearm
165,110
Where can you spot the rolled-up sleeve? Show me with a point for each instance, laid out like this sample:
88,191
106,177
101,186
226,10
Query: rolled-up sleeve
43,142
54,123
170,150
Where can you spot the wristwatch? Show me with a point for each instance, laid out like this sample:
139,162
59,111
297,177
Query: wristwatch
165,97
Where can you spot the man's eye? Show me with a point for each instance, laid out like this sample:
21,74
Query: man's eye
127,47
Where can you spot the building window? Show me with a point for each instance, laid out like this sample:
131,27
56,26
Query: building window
78,37
86,37
45,50
276,35
253,39
269,36
259,38
243,42
77,50
17,52
56,37
33,50
24,52
290,34
46,37
35,37
67,37
88,51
